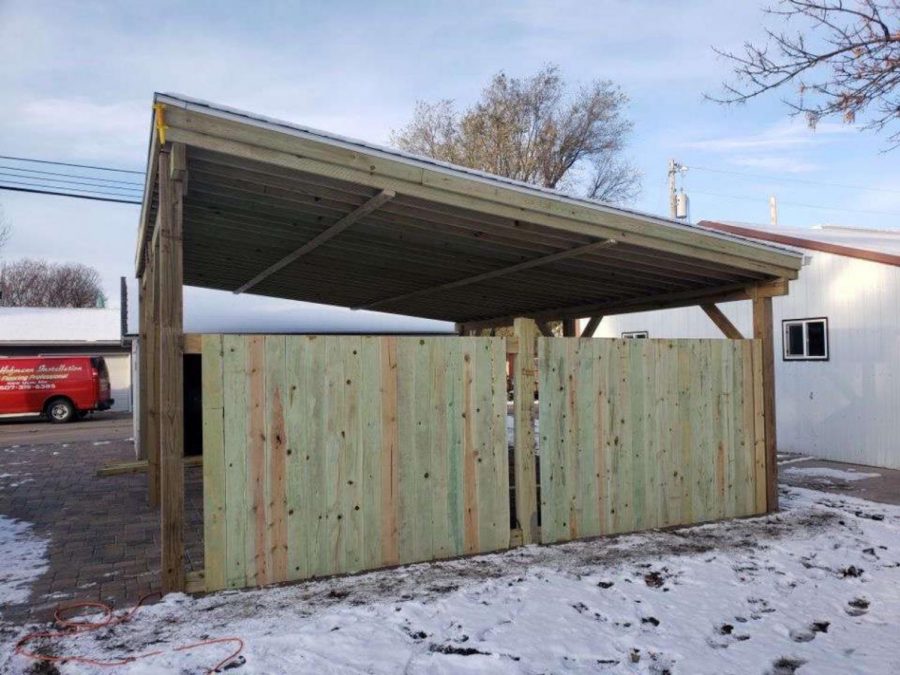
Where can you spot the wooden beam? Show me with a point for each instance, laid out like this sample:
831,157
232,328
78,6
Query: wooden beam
545,329
591,326
151,271
493,274
171,377
717,317
143,368
763,331
145,225
141,466
726,293
524,373
569,327
193,343
178,164
332,231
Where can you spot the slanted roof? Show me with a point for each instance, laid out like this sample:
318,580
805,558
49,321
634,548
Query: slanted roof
286,211
59,326
881,246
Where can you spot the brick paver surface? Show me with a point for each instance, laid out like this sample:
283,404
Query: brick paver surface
103,538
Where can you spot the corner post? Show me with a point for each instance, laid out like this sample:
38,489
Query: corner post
141,437
171,375
151,348
524,382
763,331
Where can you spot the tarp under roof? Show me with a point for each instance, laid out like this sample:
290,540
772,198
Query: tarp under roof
374,228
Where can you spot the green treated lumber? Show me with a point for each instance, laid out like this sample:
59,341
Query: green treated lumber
524,379
499,448
296,428
214,520
236,504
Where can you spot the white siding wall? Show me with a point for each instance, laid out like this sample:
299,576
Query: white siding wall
136,396
119,366
847,408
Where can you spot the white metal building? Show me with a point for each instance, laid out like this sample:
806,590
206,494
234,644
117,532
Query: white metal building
838,358
30,331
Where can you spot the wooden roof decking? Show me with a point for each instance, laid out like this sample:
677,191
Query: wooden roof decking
377,229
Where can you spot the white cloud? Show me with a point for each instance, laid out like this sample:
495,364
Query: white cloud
783,136
85,130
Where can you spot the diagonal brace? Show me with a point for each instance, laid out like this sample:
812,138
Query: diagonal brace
493,274
718,317
332,231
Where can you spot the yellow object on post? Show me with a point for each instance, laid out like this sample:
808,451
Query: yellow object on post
160,122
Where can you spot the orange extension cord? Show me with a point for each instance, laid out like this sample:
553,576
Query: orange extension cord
70,627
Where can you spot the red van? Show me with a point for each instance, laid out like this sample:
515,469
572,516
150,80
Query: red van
60,387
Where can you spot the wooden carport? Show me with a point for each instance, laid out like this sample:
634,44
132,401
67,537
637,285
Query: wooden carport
238,202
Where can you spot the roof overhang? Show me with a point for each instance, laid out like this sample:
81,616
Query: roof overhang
284,211
807,242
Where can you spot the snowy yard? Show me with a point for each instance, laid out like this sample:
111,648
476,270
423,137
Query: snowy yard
814,589
22,560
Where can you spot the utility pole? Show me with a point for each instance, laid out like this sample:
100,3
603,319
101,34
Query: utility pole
773,210
674,169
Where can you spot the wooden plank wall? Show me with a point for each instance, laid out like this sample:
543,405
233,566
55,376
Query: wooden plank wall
334,454
639,434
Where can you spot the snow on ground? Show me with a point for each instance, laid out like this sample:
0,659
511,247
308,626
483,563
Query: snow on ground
13,480
813,589
22,560
823,472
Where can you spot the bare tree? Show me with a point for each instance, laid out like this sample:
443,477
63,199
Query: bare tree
5,229
38,283
533,130
844,59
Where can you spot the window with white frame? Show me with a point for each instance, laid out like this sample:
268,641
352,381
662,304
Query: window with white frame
635,334
805,339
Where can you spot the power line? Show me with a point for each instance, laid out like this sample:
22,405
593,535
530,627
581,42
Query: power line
70,175
743,174
67,194
801,204
40,180
67,183
78,166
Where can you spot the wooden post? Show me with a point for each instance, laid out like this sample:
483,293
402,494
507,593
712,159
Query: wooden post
152,349
524,379
569,328
171,395
141,440
763,331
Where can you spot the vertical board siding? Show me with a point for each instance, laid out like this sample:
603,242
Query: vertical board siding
638,434
214,518
336,454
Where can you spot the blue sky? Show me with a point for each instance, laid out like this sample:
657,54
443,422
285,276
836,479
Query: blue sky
78,77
